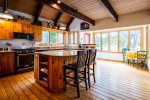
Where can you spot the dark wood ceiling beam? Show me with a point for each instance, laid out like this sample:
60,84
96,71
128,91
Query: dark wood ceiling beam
57,19
38,12
109,7
69,23
65,8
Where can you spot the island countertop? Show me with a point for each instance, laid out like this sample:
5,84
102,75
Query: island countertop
59,53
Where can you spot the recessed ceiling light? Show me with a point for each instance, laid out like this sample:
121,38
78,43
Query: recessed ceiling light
58,1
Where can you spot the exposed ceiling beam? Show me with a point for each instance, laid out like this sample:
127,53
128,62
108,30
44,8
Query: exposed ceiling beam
109,7
65,8
57,19
69,23
38,12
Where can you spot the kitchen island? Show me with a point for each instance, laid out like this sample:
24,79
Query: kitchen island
48,68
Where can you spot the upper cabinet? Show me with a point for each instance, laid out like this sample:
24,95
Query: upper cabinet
37,30
27,28
6,30
17,27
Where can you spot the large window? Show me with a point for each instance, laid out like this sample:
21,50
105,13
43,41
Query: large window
117,40
113,41
135,40
123,40
52,37
105,41
98,41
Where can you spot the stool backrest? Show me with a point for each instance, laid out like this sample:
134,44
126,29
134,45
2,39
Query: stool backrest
92,56
82,58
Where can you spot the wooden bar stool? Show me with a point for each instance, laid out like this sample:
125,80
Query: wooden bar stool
76,68
91,61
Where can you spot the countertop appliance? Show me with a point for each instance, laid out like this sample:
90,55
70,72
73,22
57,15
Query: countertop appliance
28,36
24,60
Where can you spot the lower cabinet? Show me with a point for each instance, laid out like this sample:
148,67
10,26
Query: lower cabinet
7,63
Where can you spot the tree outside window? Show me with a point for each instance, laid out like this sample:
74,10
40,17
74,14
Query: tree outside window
113,41
45,36
53,38
98,41
105,41
123,40
135,40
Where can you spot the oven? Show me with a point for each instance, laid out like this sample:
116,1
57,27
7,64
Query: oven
24,60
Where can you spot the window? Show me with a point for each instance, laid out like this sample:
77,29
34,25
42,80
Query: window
105,41
135,40
97,41
123,40
113,41
60,38
45,36
73,37
53,38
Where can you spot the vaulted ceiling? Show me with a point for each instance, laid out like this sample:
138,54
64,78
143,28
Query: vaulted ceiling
91,8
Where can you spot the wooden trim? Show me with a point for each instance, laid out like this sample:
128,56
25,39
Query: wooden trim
57,19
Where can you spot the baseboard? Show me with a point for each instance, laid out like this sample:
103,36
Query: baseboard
108,60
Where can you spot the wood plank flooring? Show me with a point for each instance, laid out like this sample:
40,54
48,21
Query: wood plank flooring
114,81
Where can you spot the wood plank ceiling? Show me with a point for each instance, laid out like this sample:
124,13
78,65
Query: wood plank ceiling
96,11
90,8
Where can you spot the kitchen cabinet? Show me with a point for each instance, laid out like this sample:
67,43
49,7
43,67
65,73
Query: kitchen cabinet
27,28
7,62
17,27
6,30
37,30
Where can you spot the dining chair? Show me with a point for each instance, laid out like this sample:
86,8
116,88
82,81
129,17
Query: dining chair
124,50
76,68
91,65
141,59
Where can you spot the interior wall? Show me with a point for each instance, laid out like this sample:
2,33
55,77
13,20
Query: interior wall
133,19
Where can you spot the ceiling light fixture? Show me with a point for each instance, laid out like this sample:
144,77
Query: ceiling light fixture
5,13
58,1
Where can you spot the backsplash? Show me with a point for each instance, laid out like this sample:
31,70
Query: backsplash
16,43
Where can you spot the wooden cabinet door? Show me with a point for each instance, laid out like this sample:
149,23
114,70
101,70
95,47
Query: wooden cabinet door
7,63
38,33
17,27
2,28
6,30
27,28
9,30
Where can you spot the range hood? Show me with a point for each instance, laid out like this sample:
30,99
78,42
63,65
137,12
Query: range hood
5,13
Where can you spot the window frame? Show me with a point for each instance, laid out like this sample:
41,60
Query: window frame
57,32
74,41
118,39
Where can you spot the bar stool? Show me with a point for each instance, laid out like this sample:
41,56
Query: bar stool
76,68
91,61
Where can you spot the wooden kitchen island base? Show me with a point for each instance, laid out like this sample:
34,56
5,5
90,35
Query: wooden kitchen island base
48,68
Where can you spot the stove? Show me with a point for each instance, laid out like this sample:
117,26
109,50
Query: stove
24,60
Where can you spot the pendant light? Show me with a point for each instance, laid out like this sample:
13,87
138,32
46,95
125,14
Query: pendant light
5,13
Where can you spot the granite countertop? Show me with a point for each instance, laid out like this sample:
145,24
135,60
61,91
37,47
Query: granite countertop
10,51
59,53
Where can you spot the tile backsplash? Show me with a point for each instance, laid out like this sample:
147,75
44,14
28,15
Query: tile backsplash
16,43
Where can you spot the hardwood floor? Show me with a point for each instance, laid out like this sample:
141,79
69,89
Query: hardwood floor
114,81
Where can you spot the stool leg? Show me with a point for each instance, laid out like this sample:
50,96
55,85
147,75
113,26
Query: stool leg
65,80
77,81
85,78
89,76
94,72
